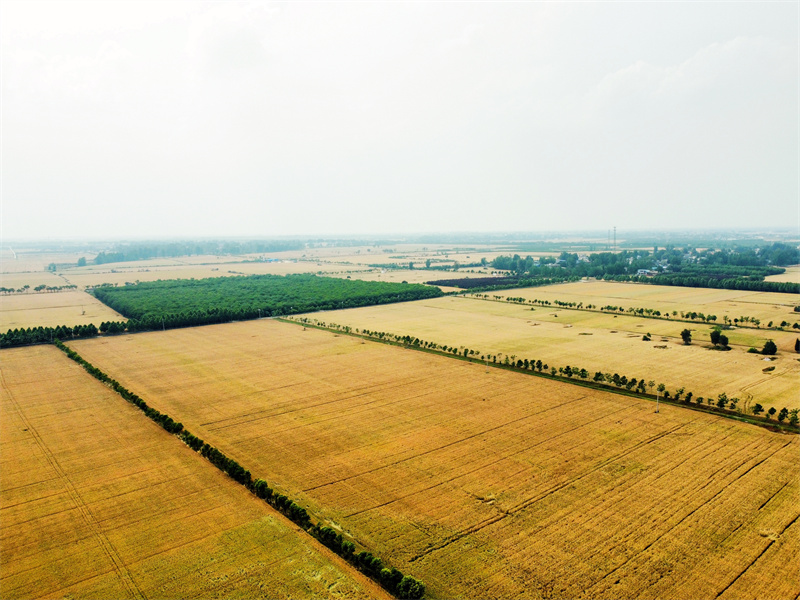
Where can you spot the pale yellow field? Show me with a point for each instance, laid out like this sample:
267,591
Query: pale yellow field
792,275
596,342
30,261
410,276
142,271
484,483
761,305
51,309
18,280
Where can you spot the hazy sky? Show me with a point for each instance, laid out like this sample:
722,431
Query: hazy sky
150,119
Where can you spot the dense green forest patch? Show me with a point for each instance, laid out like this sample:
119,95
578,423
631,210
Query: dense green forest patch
186,302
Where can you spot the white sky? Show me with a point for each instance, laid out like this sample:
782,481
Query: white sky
152,119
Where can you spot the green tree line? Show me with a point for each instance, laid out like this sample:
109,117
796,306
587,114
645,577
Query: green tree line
45,335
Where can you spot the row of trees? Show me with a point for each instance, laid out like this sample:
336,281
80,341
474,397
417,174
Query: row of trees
675,315
392,579
38,289
403,586
162,419
681,280
45,335
484,284
599,378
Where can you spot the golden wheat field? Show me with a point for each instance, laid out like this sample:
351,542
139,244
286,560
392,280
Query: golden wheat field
97,501
51,309
596,342
481,482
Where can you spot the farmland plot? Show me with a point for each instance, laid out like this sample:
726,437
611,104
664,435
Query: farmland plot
792,275
51,309
97,501
120,273
766,306
483,483
597,342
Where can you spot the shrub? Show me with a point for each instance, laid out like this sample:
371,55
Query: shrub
410,588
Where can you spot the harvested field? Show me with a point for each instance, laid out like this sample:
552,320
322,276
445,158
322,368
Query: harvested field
559,337
51,309
97,501
483,483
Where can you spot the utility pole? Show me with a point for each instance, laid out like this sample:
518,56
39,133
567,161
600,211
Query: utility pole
615,238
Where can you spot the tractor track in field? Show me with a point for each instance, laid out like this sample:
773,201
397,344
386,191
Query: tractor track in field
689,514
480,467
756,559
432,450
540,496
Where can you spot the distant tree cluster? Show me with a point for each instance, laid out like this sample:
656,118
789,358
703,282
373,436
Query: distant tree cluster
145,251
736,268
